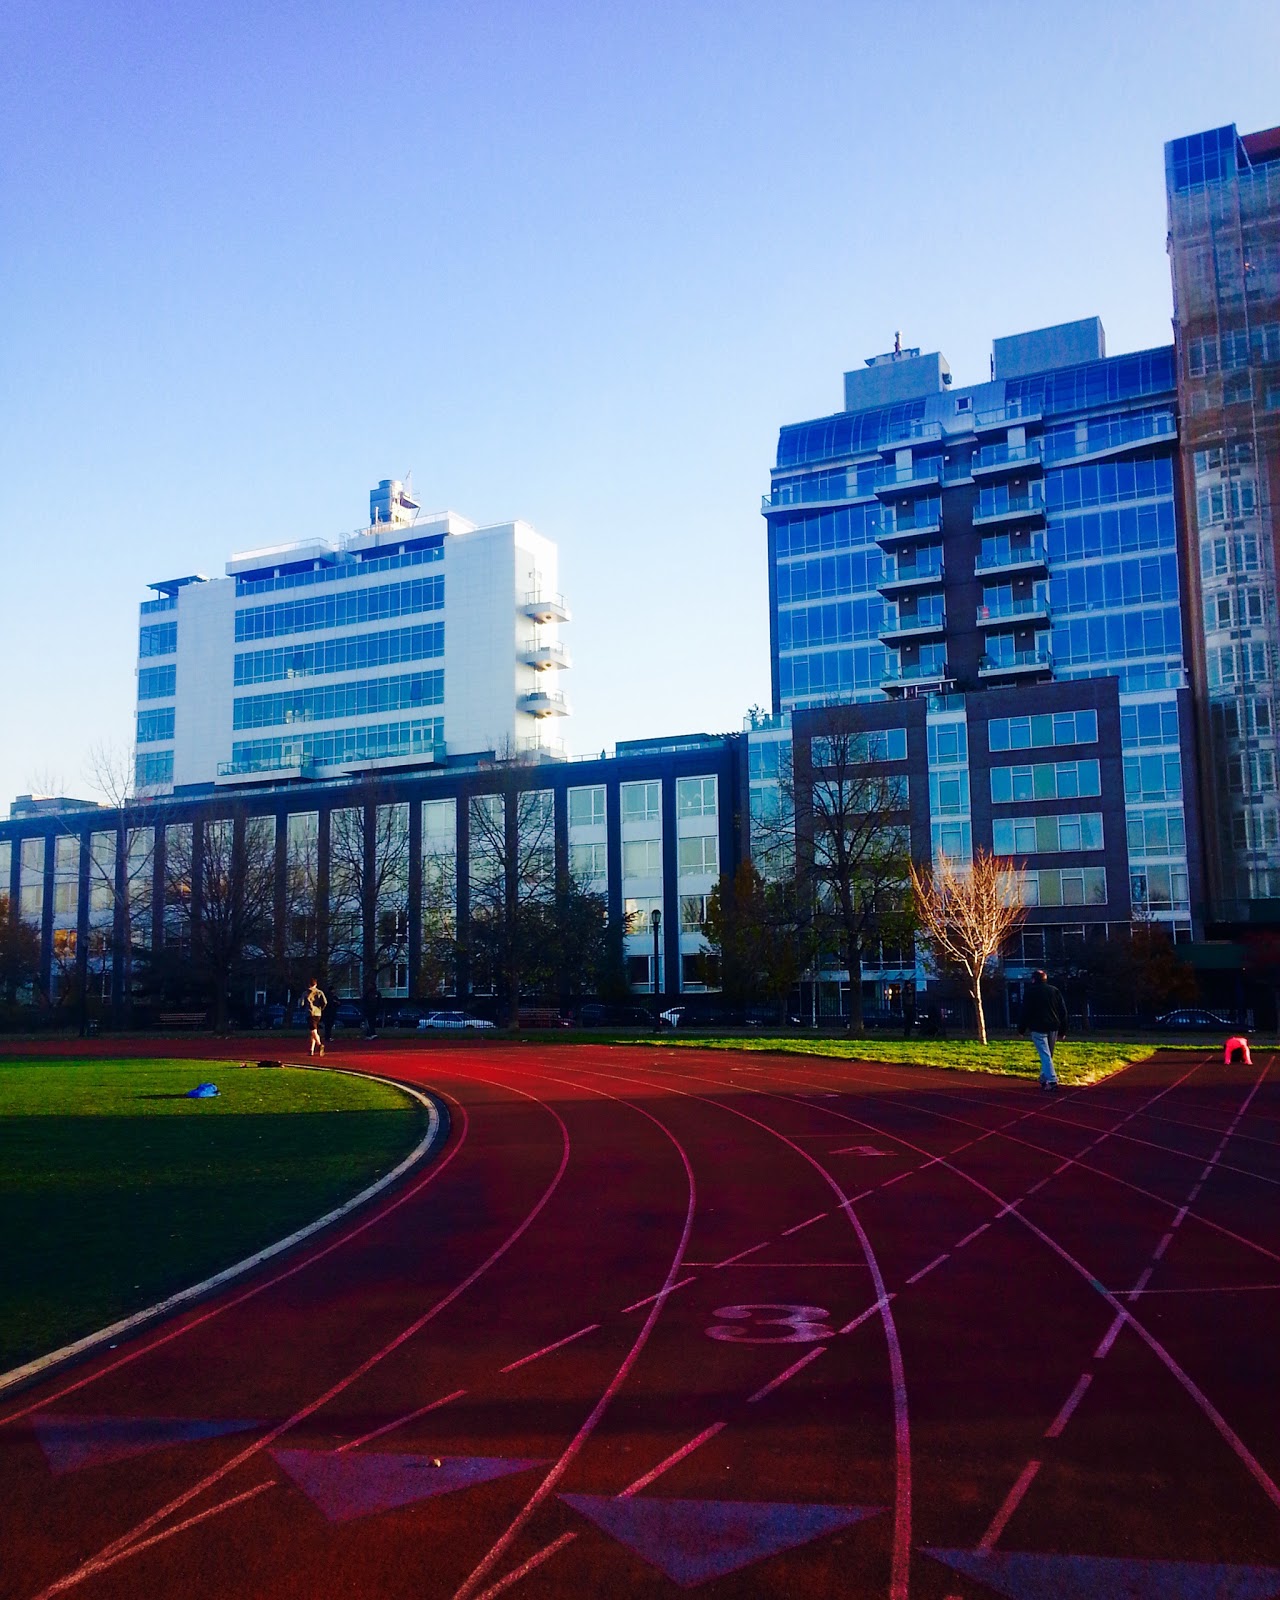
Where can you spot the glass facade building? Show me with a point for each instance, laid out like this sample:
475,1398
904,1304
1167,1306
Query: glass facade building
1224,251
1002,562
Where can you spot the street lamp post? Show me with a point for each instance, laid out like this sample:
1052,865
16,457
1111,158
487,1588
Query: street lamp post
655,917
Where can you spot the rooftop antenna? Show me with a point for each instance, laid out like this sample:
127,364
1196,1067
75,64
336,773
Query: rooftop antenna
897,344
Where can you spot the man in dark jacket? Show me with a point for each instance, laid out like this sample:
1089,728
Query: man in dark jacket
1044,1017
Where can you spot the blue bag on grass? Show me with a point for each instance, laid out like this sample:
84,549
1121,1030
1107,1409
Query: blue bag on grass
202,1091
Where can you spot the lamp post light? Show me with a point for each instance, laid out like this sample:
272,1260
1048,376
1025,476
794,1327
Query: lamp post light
655,917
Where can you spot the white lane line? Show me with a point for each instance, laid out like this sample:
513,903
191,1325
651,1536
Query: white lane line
936,1262
1109,1338
1073,1400
399,1422
527,1567
775,1383
649,1299
787,1232
740,1255
547,1349
970,1237
869,1312
670,1461
1012,1501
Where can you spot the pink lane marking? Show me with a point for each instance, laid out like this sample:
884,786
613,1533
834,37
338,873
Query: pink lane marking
1142,1282
187,1522
1072,1401
1040,1185
900,1567
869,1312
1012,1501
650,1298
1109,1337
936,1262
547,1349
677,1455
399,1422
1164,1244
787,1232
95,1564
548,1484
1219,1288
527,1567
741,1255
1182,1211
776,1383
47,1399
970,1237
1012,1206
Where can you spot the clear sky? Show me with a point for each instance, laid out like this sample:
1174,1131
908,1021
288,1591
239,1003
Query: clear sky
573,263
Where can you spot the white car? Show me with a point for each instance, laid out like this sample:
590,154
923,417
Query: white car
453,1019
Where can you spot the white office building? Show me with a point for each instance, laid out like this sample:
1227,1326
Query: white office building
416,638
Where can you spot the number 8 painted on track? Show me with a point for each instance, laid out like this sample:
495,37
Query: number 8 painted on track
807,1324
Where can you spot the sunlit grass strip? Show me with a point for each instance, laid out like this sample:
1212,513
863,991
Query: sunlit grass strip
1076,1062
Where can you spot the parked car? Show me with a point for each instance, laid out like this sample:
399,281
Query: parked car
453,1019
408,1014
597,1014
1192,1019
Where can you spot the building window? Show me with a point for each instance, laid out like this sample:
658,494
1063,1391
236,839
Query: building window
1050,780
637,910
158,639
695,797
1064,886
157,683
642,858
587,807
153,768
693,912
1015,836
588,862
641,802
1030,733
699,855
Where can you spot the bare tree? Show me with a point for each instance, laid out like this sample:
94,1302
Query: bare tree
19,951
967,912
758,939
513,887
369,888
220,886
848,808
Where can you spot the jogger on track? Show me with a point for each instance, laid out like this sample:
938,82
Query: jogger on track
315,1003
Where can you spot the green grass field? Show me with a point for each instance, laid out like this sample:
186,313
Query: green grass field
1076,1062
116,1190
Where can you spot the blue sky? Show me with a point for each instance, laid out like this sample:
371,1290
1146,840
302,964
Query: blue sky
565,262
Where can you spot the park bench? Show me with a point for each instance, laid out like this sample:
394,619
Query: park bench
182,1019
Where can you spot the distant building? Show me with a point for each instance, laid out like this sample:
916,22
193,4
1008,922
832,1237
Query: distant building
1224,250
413,640
992,572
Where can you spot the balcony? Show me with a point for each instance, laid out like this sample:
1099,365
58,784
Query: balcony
545,607
915,676
906,630
1031,612
1018,664
543,657
897,532
901,577
912,433
543,703
1014,508
1011,416
1030,558
1004,460
921,475
265,770
1120,437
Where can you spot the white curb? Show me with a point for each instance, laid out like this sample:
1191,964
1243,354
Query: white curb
163,1308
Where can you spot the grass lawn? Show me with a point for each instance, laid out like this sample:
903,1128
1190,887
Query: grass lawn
116,1190
1076,1062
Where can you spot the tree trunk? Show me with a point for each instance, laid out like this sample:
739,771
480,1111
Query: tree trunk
977,1002
853,965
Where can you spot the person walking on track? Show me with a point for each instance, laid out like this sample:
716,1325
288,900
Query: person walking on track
315,1003
1044,1017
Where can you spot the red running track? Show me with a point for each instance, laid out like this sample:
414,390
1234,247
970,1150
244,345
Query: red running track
665,1320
